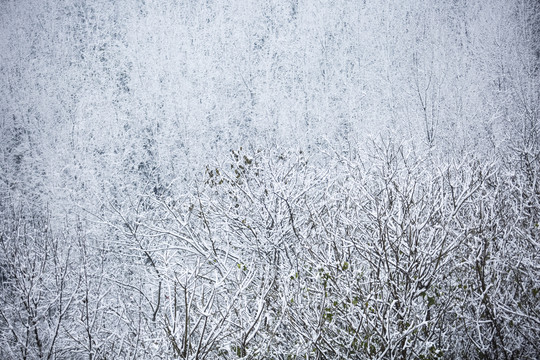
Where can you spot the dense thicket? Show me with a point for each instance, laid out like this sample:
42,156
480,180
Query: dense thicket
384,253
381,199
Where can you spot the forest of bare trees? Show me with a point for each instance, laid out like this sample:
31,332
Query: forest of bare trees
269,179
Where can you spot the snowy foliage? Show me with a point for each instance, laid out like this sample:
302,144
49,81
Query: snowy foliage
269,179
